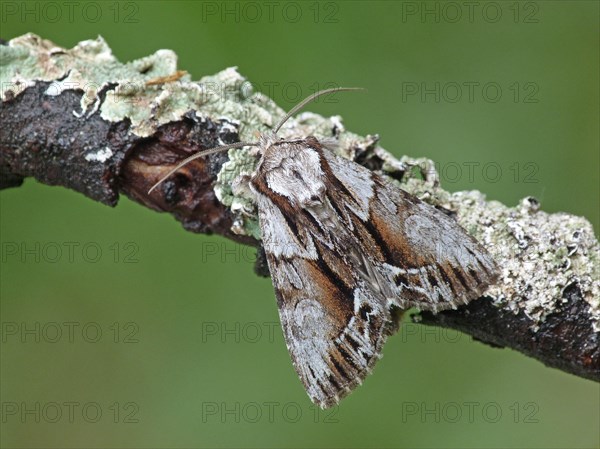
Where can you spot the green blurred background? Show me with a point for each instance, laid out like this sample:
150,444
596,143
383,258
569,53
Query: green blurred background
190,350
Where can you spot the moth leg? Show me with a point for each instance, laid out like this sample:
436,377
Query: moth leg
261,267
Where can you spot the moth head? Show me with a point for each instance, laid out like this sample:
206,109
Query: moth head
294,171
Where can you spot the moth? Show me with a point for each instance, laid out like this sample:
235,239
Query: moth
348,251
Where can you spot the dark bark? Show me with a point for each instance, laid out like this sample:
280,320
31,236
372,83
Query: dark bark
42,138
565,340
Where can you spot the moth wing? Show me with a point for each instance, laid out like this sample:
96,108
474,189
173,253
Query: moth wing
334,327
344,267
422,257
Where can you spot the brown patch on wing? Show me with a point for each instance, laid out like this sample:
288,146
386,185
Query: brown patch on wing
336,297
450,258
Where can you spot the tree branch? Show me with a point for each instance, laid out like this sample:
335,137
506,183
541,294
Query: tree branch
81,119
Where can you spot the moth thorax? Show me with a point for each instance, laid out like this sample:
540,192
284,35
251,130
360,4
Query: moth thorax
294,171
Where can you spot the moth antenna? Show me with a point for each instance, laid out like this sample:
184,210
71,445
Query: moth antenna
311,98
200,154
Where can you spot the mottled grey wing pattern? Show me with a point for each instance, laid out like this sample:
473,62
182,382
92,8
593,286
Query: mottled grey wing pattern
347,251
429,261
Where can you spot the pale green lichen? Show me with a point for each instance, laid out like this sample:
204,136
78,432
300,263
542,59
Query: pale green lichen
540,254
90,67
240,163
132,90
